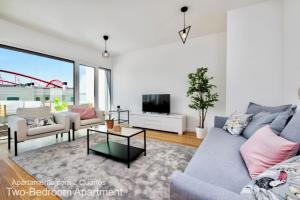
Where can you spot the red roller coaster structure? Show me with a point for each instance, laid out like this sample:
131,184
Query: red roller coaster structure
2,81
48,84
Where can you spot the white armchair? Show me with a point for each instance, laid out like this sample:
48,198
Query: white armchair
77,123
21,132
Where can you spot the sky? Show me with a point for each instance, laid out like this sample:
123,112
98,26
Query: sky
37,66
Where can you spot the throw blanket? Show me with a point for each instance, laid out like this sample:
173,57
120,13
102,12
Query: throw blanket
280,182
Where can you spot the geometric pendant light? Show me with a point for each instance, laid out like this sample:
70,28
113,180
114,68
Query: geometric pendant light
105,54
185,31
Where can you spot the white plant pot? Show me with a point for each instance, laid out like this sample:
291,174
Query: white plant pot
201,132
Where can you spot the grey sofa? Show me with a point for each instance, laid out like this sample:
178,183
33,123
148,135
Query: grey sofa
217,170
18,125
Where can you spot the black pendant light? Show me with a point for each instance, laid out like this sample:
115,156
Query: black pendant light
105,53
185,31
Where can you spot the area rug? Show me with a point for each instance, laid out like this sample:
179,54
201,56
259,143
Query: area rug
67,170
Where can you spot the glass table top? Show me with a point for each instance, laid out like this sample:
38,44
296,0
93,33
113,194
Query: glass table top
125,131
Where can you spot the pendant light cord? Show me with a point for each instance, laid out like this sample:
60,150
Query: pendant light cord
184,20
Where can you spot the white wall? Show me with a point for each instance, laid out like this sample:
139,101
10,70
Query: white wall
14,35
263,62
255,55
164,69
291,12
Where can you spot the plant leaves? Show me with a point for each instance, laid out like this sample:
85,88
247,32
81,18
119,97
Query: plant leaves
200,91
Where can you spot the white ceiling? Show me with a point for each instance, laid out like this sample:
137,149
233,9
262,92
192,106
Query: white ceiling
131,24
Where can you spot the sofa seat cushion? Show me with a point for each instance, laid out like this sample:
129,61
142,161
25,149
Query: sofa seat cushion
218,161
90,121
45,129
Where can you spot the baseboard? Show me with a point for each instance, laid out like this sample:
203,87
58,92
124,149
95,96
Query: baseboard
191,130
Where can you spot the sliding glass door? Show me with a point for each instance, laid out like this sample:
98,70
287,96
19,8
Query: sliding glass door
94,87
32,79
86,85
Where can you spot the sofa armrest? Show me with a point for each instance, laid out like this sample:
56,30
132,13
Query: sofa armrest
62,118
100,114
190,188
74,118
220,121
18,124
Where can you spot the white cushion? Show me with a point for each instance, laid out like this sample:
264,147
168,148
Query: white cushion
45,129
90,121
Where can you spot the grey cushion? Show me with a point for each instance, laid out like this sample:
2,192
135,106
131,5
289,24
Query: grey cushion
281,120
254,108
219,121
45,129
218,161
292,130
259,120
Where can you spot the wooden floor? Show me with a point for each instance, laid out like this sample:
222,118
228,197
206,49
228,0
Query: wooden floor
187,138
10,172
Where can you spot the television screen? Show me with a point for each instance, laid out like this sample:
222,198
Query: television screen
157,103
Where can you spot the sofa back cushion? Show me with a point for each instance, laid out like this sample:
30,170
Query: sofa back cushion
258,121
254,108
292,130
265,149
279,123
39,112
85,113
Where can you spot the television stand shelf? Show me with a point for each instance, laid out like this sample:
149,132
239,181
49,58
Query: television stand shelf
163,122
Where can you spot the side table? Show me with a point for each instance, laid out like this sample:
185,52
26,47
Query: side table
119,111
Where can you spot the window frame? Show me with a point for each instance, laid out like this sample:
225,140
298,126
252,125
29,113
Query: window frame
109,86
96,83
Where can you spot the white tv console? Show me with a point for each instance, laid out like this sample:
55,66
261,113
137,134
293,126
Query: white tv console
171,123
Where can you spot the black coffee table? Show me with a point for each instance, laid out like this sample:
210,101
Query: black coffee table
115,150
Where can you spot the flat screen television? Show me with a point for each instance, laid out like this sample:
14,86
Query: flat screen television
156,103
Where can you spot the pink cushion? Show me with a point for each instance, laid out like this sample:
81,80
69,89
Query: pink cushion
85,113
265,149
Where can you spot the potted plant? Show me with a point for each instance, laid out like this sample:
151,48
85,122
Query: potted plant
202,97
109,121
